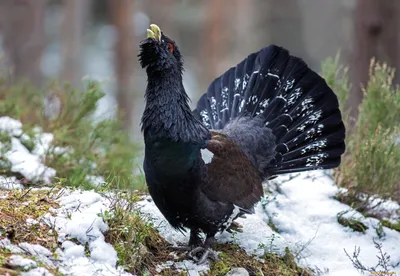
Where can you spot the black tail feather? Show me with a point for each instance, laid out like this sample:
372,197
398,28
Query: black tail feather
294,102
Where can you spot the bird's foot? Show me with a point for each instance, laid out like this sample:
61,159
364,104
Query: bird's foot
194,241
202,257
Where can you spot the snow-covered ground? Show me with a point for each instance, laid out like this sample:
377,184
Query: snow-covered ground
77,219
304,211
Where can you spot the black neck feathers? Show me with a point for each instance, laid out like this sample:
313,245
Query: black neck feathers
167,113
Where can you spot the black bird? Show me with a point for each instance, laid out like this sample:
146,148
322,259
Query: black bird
269,115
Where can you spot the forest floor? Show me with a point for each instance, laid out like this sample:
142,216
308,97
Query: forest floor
301,227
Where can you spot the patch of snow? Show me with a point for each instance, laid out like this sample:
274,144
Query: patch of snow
102,252
96,181
239,271
78,218
39,271
388,209
74,251
257,238
42,143
11,126
31,221
40,253
306,214
187,266
27,164
10,183
6,244
17,260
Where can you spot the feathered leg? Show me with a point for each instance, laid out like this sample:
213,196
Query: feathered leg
194,241
206,249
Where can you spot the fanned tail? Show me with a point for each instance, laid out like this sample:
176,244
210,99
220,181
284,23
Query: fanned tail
293,101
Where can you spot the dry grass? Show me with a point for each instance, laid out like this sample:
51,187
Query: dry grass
16,208
139,246
20,205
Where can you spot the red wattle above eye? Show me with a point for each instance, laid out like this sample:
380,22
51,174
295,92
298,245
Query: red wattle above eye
171,47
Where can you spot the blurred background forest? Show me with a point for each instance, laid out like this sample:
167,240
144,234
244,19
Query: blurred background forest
69,40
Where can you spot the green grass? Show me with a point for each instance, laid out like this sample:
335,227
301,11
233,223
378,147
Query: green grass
391,225
352,223
94,147
371,164
138,244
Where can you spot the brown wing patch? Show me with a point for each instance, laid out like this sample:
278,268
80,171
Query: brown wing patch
231,175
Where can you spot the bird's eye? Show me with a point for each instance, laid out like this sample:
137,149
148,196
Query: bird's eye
171,47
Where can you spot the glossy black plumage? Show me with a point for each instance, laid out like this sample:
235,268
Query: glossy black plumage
269,115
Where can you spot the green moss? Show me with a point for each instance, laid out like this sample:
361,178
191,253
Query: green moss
19,205
394,226
273,226
379,231
354,224
272,264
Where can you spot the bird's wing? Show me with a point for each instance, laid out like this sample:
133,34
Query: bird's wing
231,175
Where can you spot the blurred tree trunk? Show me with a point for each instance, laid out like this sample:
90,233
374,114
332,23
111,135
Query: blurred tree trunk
282,24
213,38
375,35
121,14
21,22
74,18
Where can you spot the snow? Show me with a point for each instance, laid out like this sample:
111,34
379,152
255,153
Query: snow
187,266
11,126
28,164
39,271
17,260
9,183
305,213
78,218
95,180
22,160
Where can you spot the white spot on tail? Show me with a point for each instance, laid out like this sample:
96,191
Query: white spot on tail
237,83
315,146
273,75
224,96
245,80
293,97
207,156
205,118
213,106
316,160
288,85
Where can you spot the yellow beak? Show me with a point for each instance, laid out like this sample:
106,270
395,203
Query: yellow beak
154,32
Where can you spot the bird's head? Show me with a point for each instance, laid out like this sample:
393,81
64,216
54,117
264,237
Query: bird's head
159,53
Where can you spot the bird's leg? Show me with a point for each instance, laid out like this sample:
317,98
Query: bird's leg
207,248
194,241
